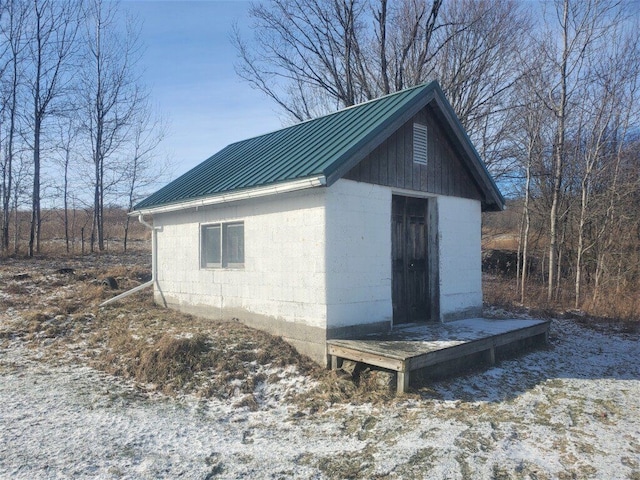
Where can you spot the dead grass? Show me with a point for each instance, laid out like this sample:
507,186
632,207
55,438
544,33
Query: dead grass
619,312
15,288
177,353
499,240
173,360
171,352
55,307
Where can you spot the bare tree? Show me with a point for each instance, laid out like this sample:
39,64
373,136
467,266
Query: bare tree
12,32
532,127
20,195
66,147
611,102
571,30
478,66
111,94
409,28
314,57
54,24
142,167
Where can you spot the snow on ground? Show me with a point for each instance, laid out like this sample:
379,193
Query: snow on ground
569,411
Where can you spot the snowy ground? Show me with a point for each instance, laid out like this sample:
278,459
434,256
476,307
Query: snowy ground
570,411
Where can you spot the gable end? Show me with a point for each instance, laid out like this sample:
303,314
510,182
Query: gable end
393,163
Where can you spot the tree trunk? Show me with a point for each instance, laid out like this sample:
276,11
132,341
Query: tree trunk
597,277
557,295
579,253
66,200
15,24
381,18
126,234
4,188
16,226
8,171
525,235
34,232
95,231
558,157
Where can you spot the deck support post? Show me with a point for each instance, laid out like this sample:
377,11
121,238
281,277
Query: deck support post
336,362
403,382
491,356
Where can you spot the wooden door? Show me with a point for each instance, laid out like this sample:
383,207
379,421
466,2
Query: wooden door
409,244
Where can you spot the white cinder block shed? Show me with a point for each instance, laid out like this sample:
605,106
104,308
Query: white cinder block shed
350,223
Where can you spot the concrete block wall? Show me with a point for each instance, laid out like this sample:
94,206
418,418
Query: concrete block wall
358,257
317,263
284,271
459,241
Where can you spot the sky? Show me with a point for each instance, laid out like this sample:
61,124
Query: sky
188,65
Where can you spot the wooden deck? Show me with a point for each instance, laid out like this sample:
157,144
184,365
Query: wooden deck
413,347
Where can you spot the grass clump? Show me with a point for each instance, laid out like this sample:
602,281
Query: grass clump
173,361
176,353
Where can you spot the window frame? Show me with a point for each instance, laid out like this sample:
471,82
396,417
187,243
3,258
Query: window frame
224,257
420,143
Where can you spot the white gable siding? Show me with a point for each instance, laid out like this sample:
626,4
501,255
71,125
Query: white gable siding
283,275
358,254
459,241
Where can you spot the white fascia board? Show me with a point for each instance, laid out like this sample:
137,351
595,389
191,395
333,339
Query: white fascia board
276,189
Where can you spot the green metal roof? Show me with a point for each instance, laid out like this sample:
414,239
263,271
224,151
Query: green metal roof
326,146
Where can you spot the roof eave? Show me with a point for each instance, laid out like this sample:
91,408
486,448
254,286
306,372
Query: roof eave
236,195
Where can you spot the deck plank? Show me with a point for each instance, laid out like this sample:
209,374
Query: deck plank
370,358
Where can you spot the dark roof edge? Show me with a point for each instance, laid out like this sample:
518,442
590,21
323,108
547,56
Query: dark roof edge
495,201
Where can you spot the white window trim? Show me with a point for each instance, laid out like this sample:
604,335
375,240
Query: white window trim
420,144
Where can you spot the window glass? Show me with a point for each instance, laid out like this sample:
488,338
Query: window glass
234,243
211,246
222,245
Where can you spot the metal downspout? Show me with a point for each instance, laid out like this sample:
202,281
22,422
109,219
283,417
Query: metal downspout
154,257
154,247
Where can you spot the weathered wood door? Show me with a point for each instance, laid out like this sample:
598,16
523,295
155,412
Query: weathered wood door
409,244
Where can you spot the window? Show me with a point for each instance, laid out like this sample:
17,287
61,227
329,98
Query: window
222,245
420,143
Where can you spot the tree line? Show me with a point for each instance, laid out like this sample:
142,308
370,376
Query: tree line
548,92
76,125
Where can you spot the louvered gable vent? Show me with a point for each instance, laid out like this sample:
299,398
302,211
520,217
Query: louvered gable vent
420,143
